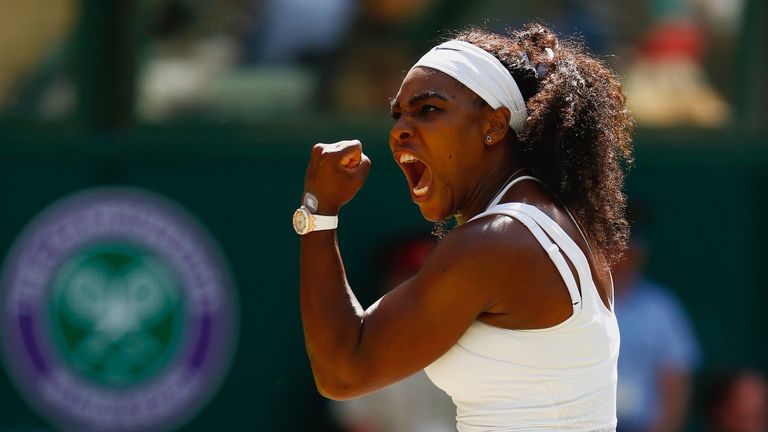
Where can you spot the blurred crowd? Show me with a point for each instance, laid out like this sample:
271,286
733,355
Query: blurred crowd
255,59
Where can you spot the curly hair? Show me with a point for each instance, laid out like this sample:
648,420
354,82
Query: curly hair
578,136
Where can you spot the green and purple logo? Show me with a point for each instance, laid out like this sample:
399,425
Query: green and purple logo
118,313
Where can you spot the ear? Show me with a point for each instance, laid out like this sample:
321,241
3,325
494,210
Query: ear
498,126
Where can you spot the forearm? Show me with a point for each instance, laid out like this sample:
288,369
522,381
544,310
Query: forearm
331,315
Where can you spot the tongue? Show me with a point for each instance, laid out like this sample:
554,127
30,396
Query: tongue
426,178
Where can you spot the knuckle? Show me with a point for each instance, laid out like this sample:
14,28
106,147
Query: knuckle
350,144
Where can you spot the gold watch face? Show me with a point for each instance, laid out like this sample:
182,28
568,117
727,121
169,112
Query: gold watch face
301,221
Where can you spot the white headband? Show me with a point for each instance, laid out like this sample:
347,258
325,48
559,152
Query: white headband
482,73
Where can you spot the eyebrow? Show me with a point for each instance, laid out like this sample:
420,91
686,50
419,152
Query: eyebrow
427,94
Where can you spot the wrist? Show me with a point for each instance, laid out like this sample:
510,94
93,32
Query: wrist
327,210
311,216
319,207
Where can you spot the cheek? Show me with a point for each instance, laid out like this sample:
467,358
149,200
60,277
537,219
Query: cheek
459,156
453,146
447,170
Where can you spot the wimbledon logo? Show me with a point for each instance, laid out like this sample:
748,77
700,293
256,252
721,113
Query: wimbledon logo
118,313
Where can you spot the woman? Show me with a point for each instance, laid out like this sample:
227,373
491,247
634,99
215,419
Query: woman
522,139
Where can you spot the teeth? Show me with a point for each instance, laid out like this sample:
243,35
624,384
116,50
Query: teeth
420,191
407,158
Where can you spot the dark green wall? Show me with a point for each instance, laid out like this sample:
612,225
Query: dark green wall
707,192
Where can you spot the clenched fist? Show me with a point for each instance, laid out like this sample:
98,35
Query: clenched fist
335,173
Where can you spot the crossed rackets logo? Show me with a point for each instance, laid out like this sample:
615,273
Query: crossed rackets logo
116,313
121,315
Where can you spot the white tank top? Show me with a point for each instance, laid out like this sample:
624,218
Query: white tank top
561,378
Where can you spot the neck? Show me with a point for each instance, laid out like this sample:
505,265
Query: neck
486,190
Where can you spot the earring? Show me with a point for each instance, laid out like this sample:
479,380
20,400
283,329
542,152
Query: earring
488,139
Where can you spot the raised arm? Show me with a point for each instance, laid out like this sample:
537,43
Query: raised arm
331,315
354,352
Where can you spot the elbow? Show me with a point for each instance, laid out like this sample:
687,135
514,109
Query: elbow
335,392
339,383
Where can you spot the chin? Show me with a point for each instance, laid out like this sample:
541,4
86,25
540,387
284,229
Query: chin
434,215
433,219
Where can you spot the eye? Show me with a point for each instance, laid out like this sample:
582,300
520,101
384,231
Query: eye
426,108
396,115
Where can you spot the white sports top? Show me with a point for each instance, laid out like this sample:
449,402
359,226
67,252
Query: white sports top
561,378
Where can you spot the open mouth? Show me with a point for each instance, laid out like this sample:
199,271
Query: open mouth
417,173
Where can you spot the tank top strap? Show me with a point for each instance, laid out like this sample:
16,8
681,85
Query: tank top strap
566,243
555,231
552,249
504,190
556,236
509,185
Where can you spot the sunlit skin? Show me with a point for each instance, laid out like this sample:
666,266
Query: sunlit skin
491,269
438,121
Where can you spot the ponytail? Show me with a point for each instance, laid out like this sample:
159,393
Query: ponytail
578,136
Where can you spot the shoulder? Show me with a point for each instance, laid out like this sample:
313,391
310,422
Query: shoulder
486,237
483,255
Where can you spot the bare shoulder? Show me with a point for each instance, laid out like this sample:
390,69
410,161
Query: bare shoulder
506,264
482,269
487,253
494,236
423,317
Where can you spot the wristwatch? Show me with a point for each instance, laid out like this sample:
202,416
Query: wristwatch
305,220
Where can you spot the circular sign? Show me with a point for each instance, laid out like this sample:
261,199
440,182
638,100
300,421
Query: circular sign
118,312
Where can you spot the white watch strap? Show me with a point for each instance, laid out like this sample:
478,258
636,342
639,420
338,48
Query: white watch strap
320,222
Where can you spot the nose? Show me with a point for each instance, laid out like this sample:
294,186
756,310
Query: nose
401,131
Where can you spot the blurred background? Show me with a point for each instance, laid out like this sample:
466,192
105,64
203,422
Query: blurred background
214,106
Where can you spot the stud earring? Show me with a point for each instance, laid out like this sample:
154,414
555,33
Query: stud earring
488,139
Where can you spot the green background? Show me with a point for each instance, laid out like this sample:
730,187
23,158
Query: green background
706,191
706,188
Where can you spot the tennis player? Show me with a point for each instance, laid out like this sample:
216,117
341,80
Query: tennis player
522,139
